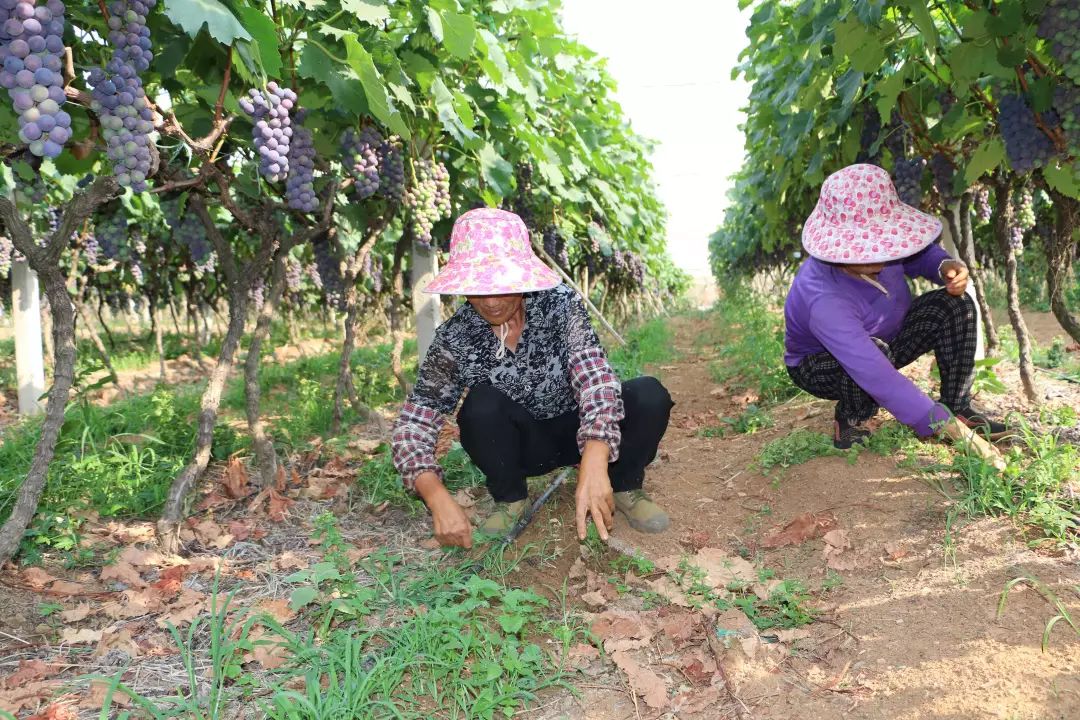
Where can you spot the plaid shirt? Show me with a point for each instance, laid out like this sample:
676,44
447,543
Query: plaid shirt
557,367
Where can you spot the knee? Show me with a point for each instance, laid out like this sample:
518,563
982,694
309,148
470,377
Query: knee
482,405
962,305
647,395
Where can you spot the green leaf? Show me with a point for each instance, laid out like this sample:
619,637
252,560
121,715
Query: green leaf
348,93
920,15
1012,55
493,61
512,623
459,34
1064,178
448,114
848,86
497,172
435,24
987,157
971,61
192,15
888,90
483,587
378,97
302,597
265,38
369,11
1008,20
858,43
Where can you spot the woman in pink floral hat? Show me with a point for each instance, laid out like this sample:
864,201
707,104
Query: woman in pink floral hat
851,322
541,394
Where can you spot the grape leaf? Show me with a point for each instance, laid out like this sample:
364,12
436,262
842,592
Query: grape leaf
448,114
369,11
920,15
459,34
435,23
856,41
494,59
986,158
497,172
192,15
378,97
888,90
1064,178
301,597
265,36
315,64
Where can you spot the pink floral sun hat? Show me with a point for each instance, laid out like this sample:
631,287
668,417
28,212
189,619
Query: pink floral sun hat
490,254
859,219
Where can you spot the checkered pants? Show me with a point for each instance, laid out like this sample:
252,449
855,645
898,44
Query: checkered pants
937,321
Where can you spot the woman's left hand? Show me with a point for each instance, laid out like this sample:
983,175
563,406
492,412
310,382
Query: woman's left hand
594,495
955,275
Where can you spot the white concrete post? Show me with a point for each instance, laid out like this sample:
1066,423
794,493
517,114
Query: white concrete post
425,263
29,357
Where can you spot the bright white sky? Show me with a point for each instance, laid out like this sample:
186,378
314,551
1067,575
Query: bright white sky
672,62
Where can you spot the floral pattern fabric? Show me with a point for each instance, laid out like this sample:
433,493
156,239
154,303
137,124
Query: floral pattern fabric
558,366
859,219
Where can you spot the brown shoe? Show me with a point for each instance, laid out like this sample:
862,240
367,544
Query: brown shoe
643,514
502,519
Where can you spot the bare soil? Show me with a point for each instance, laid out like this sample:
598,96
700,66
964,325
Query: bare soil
909,629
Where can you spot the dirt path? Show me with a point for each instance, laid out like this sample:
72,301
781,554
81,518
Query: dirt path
910,632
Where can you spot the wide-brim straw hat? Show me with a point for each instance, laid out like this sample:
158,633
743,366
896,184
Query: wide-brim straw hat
490,254
860,220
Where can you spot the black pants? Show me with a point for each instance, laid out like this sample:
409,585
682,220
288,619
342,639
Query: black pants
509,445
937,321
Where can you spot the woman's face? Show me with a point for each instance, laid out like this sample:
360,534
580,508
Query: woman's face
496,309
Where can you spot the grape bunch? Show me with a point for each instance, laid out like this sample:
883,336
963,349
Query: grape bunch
257,294
871,129
1067,105
897,136
375,272
392,170
1024,209
943,171
272,130
362,157
293,274
91,249
1058,25
7,249
907,176
137,272
312,271
300,184
329,271
982,203
1027,146
428,201
129,34
188,231
119,100
555,247
112,235
32,53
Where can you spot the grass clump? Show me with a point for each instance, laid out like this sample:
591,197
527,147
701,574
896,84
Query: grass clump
796,448
751,339
379,481
748,422
646,344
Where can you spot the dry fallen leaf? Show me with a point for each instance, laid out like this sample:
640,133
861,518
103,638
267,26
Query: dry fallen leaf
594,599
581,655
27,695
77,613
57,711
289,560
577,570
643,681
836,543
624,630
141,558
269,656
36,578
95,697
669,589
696,700
695,539
277,609
211,534
63,587
896,550
806,526
30,671
123,572
235,480
278,507
71,636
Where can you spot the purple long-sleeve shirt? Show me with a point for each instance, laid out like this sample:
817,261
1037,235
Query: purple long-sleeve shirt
829,310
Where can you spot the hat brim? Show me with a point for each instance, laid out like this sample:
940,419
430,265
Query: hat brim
905,232
490,275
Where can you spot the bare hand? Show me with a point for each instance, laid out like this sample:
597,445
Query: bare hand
955,275
452,526
594,495
964,436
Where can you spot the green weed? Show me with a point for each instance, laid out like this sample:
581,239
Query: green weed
751,346
1062,613
796,448
379,481
749,422
646,344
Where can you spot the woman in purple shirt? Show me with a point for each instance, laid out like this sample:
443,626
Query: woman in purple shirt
851,322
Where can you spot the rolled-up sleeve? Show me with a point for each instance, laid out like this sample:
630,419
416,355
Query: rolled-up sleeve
596,386
438,389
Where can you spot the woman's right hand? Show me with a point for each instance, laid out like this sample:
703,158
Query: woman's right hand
452,526
961,434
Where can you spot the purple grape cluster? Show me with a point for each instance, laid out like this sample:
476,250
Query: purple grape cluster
119,100
129,34
375,272
312,272
361,151
1058,25
871,129
32,53
428,200
392,170
943,172
294,274
1027,146
7,249
188,231
272,130
981,196
136,272
1067,106
555,247
897,136
907,177
111,231
300,184
329,271
91,249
